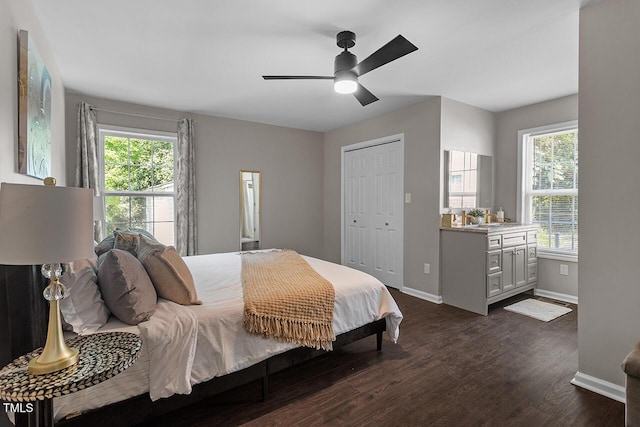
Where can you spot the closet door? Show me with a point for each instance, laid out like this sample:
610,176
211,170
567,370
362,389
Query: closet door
357,210
373,211
386,215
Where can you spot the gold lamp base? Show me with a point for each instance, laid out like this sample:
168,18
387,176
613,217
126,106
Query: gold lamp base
38,368
56,355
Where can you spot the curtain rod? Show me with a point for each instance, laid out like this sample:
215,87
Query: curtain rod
134,115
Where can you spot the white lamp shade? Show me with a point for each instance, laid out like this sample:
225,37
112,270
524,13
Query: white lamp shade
45,224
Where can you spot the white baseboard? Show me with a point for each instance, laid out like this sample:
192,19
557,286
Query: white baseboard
596,385
437,299
556,295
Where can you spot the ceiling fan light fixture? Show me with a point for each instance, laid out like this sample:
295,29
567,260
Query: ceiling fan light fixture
345,82
347,70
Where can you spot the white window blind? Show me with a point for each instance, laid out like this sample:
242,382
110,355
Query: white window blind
551,188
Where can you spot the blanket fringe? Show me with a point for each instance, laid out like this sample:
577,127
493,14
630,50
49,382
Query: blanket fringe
316,335
287,300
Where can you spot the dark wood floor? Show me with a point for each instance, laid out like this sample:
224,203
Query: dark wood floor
449,368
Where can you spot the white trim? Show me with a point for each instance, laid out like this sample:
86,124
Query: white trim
596,385
521,159
436,299
358,146
557,296
157,135
104,130
558,256
379,141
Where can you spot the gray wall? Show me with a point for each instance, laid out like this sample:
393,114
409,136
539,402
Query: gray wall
420,124
290,161
18,15
508,123
608,325
465,128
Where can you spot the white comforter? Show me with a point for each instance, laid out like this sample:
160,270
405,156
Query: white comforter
186,345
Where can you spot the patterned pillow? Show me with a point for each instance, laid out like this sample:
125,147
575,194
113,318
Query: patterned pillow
126,241
83,308
126,287
108,242
168,272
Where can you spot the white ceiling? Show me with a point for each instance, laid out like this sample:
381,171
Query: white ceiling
208,57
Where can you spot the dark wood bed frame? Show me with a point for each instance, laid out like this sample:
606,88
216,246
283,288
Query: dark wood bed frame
23,317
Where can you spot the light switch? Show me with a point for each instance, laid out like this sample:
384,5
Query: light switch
427,268
407,198
564,269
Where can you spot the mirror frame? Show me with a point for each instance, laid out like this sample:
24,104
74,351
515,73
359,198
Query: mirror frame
240,205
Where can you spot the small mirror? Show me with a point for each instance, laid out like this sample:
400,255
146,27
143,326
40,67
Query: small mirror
468,180
250,198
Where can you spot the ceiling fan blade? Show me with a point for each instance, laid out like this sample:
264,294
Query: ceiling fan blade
391,51
364,96
297,77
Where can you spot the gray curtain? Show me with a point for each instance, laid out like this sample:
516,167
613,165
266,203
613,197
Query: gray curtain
87,156
185,187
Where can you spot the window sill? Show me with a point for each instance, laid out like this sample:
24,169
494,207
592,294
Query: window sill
557,256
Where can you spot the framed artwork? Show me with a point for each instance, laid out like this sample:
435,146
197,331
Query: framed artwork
34,111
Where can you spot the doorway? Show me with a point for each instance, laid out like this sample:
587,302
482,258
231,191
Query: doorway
372,208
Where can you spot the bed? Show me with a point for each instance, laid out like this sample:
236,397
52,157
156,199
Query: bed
192,352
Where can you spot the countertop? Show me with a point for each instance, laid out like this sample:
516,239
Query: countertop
490,229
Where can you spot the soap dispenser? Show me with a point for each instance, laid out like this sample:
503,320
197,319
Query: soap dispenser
500,214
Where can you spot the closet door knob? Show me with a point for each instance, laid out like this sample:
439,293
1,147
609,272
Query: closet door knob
386,223
354,220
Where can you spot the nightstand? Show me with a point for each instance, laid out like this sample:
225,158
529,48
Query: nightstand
102,356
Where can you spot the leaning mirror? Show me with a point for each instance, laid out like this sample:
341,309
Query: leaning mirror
250,197
468,180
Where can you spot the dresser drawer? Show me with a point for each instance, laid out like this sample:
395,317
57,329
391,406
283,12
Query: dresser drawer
494,261
532,237
514,239
494,241
494,284
532,273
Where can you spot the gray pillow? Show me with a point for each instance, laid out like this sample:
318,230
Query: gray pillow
126,287
83,308
168,272
105,245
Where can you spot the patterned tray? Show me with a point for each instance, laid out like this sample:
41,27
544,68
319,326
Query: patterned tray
102,356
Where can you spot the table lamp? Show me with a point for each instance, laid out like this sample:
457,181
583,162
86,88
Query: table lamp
47,225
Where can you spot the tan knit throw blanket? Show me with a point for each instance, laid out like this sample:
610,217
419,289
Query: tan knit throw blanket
287,300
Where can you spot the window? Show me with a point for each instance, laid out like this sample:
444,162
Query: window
137,169
549,187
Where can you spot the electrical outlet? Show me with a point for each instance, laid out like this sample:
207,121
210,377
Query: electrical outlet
564,270
407,198
427,268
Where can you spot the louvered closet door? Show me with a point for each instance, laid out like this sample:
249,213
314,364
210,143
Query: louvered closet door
373,211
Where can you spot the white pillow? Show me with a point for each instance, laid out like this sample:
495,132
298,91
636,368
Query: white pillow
83,308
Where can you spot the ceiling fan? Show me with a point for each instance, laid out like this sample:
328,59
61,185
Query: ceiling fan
347,69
